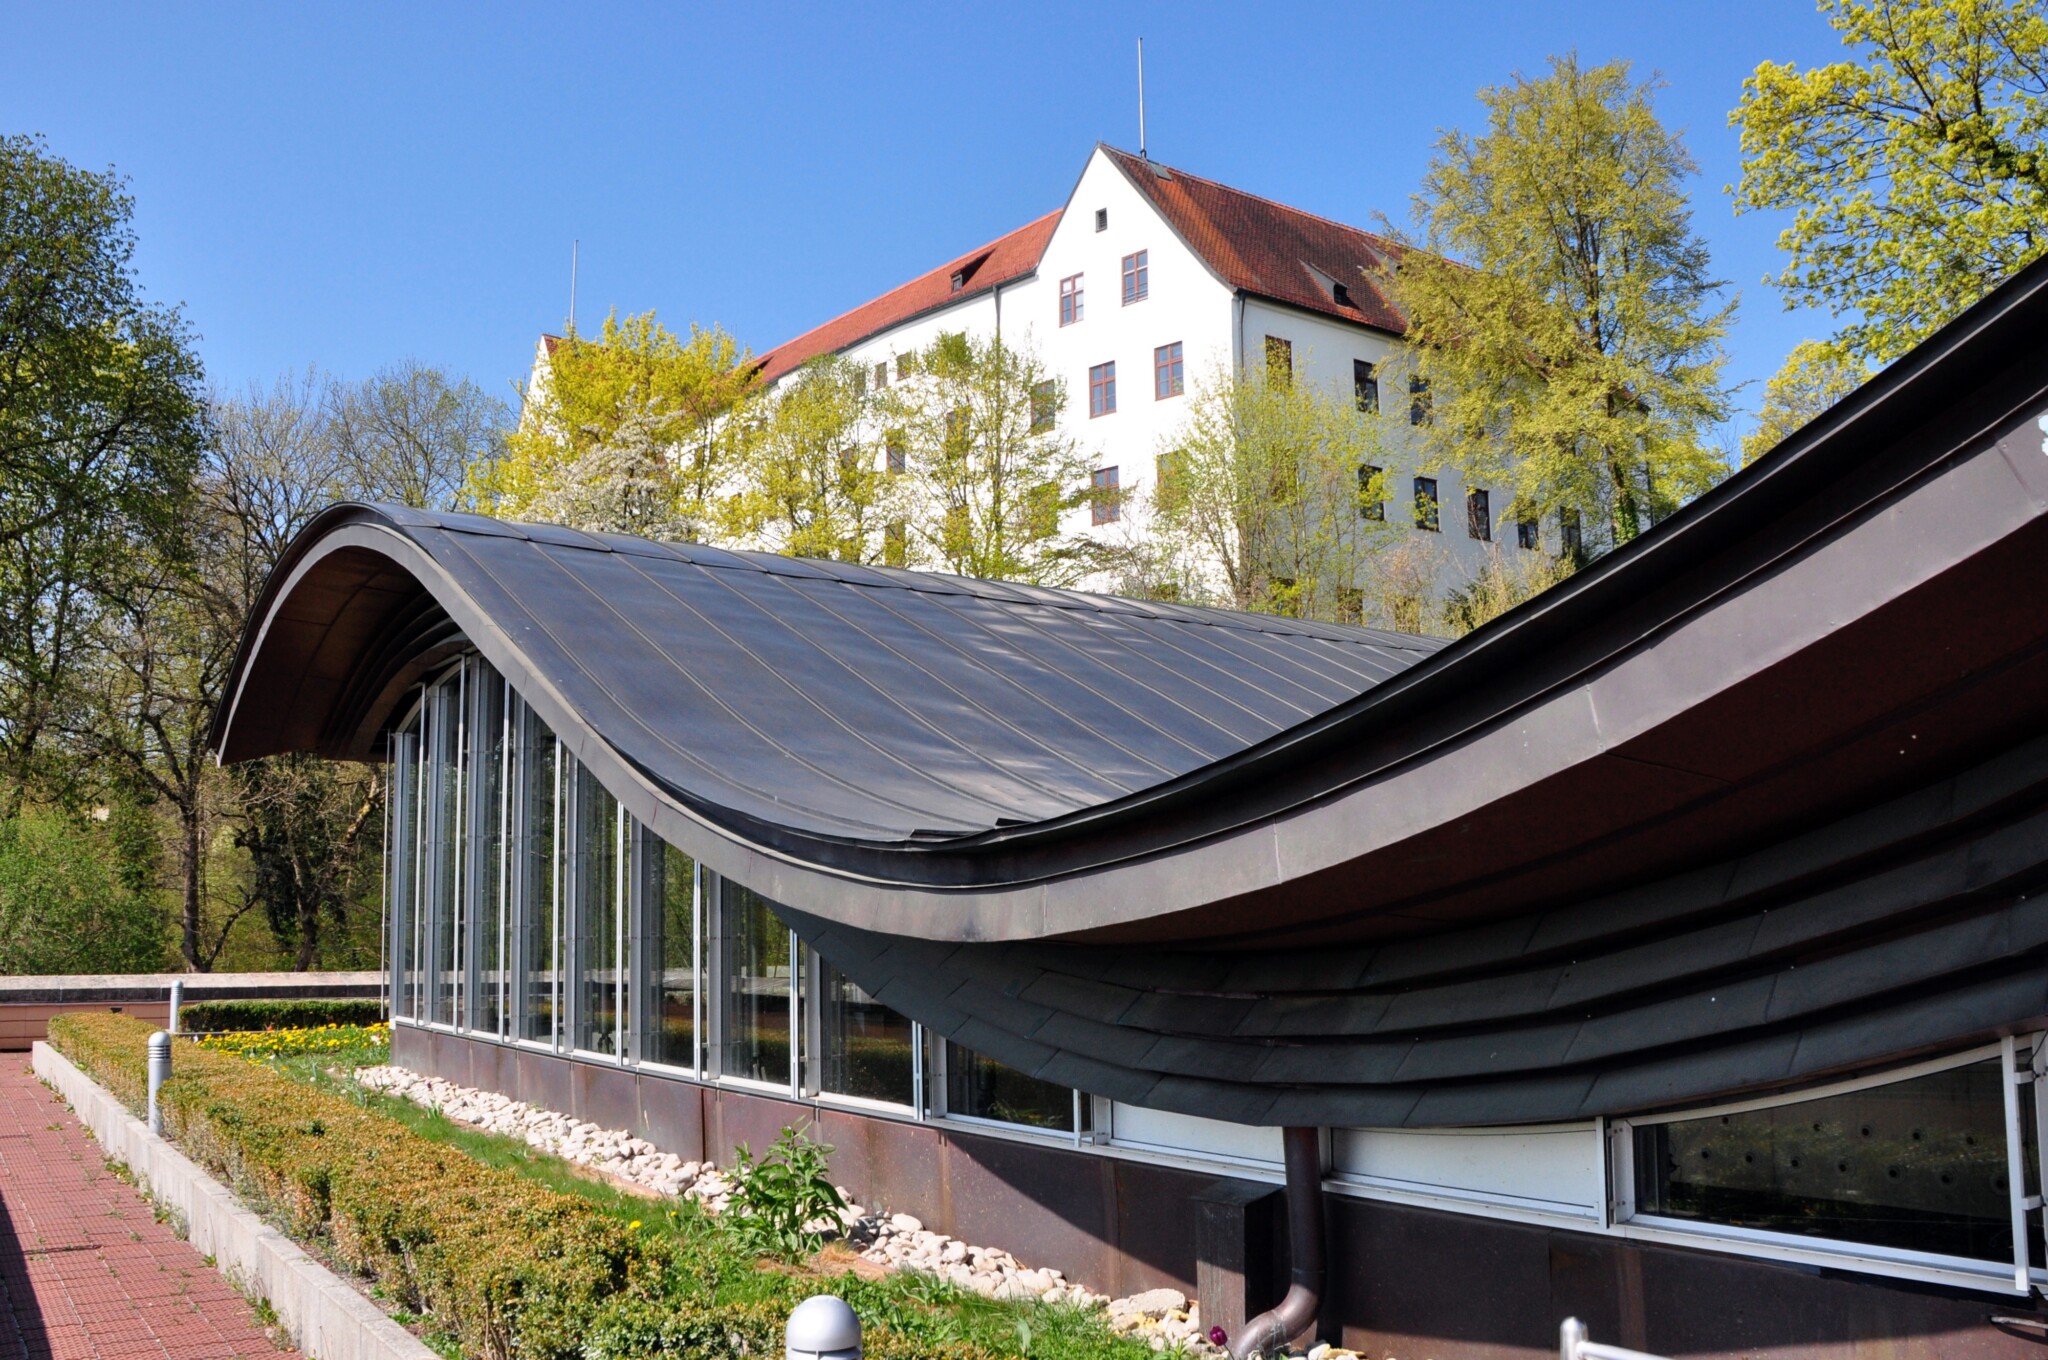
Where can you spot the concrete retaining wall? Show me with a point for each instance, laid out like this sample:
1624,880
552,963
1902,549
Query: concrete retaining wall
329,1319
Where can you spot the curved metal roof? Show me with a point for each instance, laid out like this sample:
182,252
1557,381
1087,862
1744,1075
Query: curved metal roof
840,702
1757,798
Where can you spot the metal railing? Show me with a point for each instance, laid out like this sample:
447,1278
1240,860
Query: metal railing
1573,1344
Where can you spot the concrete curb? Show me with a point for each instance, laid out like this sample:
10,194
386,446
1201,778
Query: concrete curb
328,1319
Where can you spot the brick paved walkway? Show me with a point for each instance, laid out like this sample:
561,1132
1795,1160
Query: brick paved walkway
85,1268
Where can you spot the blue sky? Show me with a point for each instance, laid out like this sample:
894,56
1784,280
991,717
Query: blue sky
351,185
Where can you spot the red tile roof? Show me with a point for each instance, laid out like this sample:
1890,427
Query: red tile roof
1271,249
1252,243
1001,260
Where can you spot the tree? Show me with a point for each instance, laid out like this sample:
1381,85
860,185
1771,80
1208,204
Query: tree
160,657
100,428
409,433
1816,375
1565,325
599,404
64,907
1272,495
1917,171
817,480
990,471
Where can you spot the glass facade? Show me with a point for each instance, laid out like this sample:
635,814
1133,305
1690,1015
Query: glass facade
864,1049
528,905
982,1088
1917,1164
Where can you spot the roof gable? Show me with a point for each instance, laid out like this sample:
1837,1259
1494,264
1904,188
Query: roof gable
1270,249
1006,258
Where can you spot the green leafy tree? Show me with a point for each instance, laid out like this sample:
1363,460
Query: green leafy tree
662,417
991,474
817,480
1564,319
1816,375
1916,170
100,430
64,904
1272,496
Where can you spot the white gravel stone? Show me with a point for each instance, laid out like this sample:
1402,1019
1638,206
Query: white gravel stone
1163,1317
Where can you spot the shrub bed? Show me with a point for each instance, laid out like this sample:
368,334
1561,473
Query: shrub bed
500,1264
219,1016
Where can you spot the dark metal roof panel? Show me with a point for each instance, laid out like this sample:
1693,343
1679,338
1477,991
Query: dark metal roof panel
876,705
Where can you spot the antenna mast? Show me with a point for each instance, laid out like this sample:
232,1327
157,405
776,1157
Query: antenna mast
573,247
1141,101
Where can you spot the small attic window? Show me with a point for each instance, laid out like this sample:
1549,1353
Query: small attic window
959,279
1102,219
1341,295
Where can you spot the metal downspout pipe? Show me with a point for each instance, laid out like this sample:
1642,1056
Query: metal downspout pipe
1268,1334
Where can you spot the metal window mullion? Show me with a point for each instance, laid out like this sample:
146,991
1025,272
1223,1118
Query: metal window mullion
714,974
917,1100
505,796
558,955
622,1026
796,1066
430,861
698,1043
2015,1161
2039,1067
458,844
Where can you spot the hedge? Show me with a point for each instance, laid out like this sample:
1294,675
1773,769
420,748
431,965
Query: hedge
502,1264
211,1017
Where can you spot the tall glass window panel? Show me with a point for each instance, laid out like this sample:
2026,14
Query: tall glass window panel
400,868
666,994
484,909
1917,1164
756,953
595,868
864,1048
536,875
442,736
982,1088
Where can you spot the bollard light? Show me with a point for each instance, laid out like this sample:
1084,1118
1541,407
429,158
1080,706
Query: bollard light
159,1073
822,1327
177,1001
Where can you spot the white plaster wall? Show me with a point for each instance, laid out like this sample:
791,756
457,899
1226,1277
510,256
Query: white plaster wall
1323,351
1185,303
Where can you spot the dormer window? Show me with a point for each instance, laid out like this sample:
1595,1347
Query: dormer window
959,279
1341,295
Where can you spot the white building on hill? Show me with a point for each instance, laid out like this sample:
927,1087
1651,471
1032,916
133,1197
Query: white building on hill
1149,278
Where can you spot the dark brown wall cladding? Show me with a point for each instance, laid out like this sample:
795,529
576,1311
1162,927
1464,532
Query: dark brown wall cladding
1404,1281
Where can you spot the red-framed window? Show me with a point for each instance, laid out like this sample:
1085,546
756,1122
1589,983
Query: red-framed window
1070,299
1137,277
1103,506
1279,361
1102,389
1169,377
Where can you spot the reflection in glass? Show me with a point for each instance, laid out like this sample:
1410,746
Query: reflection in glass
595,876
757,955
399,868
1918,1164
533,811
486,929
443,739
866,1049
669,910
982,1088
